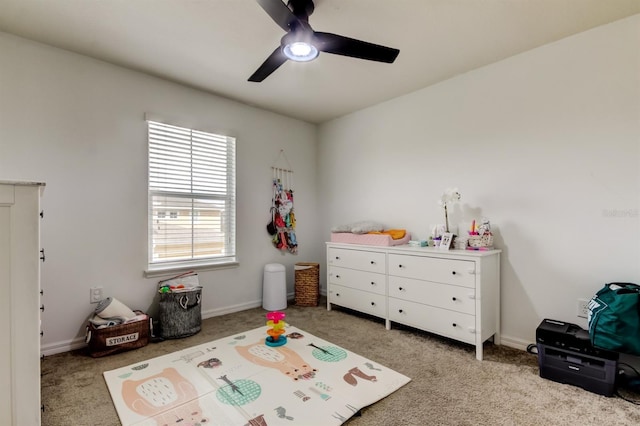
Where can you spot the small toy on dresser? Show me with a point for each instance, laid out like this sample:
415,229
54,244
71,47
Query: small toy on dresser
480,236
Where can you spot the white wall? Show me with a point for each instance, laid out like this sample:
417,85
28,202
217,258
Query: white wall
545,144
78,125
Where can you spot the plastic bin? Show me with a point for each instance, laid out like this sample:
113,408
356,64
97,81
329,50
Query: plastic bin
274,287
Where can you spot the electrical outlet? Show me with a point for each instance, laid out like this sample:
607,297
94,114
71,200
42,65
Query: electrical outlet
582,308
95,294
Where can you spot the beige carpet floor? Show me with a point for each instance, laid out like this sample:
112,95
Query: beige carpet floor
449,386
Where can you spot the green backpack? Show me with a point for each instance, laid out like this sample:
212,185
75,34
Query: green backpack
614,318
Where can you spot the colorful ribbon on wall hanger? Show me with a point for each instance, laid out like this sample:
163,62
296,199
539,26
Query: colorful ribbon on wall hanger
282,223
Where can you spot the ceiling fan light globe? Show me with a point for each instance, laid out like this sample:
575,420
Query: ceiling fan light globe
300,51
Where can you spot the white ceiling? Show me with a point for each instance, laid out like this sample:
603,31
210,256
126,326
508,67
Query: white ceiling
215,45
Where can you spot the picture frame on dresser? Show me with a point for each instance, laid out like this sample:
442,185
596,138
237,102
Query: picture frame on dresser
445,243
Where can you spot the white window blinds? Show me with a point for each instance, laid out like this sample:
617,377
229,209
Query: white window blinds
191,197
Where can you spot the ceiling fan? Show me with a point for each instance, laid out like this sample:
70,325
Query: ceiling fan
302,43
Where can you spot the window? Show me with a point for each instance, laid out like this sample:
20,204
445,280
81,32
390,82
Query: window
191,198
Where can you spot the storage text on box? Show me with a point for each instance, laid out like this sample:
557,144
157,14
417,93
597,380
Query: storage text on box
113,341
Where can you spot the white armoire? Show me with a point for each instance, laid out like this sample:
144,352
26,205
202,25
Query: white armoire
20,258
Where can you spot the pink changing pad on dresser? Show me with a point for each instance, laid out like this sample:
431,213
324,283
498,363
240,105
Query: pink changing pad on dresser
368,239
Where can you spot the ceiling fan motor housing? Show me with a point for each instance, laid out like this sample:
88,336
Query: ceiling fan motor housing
301,9
300,32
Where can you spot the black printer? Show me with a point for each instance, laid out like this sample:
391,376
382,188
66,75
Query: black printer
565,355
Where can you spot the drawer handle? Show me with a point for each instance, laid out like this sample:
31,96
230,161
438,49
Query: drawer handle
373,283
400,311
373,303
337,294
454,299
337,276
454,324
400,266
400,288
337,257
453,272
373,263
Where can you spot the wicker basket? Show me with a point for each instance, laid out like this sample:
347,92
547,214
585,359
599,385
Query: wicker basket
485,240
307,286
117,338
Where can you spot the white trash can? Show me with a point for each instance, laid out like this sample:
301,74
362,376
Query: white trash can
274,287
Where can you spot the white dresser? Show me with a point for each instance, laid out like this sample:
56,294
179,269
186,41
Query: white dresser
454,293
20,259
357,279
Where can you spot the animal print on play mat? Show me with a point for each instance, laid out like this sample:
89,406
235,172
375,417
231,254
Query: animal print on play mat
240,380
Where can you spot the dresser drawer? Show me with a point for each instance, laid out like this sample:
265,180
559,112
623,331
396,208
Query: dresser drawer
448,271
363,301
454,325
454,298
357,259
359,280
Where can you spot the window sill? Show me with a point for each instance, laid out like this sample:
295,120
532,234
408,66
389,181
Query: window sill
173,269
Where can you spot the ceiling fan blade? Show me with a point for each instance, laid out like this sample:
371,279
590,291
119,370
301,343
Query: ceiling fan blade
340,45
271,64
279,12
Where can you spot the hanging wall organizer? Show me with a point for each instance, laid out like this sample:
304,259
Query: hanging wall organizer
282,221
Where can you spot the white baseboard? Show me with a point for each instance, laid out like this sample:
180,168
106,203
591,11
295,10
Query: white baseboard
63,346
515,343
79,342
230,309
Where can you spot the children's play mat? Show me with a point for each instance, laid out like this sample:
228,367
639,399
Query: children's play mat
240,380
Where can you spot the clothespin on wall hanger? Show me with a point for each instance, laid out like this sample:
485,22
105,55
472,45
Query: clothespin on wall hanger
284,175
